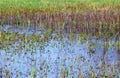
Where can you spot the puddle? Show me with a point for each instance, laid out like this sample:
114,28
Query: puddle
57,56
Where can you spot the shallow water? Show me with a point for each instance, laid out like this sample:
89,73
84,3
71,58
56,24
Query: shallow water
56,57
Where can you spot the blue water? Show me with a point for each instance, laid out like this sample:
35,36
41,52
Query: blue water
56,56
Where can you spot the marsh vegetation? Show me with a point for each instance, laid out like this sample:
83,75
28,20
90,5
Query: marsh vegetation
70,40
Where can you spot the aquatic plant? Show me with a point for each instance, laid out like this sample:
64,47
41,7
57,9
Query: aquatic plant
75,21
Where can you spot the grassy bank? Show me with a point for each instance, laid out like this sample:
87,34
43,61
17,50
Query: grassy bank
43,4
52,5
88,16
9,8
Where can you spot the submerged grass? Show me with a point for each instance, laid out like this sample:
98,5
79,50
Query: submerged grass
95,18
